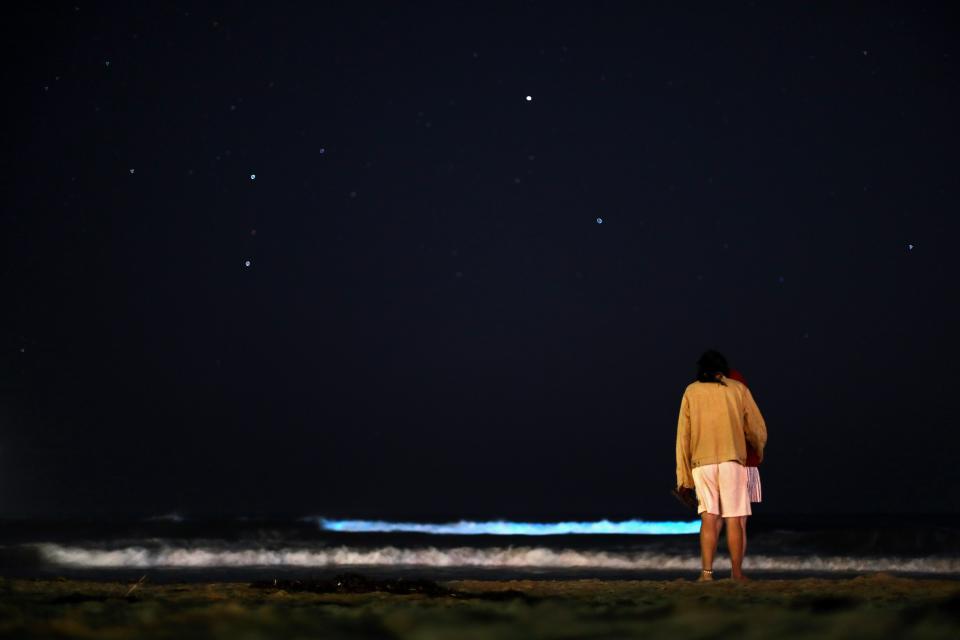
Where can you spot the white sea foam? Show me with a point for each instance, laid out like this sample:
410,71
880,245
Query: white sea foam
495,558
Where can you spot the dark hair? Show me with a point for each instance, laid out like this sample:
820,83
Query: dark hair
710,364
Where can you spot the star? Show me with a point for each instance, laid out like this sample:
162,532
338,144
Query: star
246,263
529,98
599,220
253,176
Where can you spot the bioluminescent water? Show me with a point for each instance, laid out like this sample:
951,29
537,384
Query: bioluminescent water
183,548
507,528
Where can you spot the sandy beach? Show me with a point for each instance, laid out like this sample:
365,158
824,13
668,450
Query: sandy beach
875,606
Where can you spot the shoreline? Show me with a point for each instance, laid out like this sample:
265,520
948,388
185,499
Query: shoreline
870,606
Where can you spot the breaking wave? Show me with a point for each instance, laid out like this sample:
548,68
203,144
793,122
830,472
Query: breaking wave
506,528
173,516
174,557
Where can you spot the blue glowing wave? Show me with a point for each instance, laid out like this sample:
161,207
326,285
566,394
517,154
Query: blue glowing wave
505,528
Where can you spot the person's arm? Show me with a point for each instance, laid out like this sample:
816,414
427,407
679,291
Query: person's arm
754,428
684,474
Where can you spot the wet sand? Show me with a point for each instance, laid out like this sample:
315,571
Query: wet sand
876,606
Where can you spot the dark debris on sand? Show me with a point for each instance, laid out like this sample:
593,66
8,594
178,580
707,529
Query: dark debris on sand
354,583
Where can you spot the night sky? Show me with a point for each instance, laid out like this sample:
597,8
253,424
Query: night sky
459,259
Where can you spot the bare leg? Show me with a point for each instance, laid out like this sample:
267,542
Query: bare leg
743,526
709,528
716,542
735,546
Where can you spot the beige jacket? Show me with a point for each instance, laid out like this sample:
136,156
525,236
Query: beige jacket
716,421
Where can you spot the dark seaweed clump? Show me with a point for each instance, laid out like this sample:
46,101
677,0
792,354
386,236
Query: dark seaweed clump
354,583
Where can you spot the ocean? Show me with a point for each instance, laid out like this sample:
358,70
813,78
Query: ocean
176,547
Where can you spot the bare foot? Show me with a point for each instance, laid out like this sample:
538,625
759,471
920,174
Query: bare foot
705,576
740,578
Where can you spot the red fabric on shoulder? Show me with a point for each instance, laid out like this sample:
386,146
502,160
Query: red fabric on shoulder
736,375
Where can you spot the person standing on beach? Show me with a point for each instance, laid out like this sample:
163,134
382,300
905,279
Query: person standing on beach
718,417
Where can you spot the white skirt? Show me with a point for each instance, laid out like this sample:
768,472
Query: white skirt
753,484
